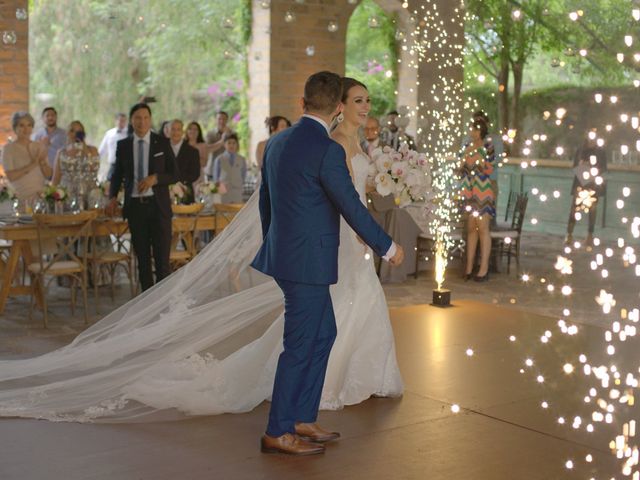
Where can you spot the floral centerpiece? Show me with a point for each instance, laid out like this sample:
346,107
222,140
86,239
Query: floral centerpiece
405,174
55,193
210,188
179,193
7,193
210,193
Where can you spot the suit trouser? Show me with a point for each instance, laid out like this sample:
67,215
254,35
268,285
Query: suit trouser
572,215
309,333
150,233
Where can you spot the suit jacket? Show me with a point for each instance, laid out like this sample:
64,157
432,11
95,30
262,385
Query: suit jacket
188,161
305,188
161,162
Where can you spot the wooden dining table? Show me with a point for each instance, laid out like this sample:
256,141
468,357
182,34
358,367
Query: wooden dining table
20,236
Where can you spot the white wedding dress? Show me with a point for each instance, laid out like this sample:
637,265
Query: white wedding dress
195,345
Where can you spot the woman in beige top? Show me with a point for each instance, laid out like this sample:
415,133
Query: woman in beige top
25,162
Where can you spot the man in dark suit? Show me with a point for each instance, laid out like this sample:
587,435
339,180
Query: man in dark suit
146,165
187,158
305,188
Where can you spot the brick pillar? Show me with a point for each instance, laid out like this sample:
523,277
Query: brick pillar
279,64
14,66
276,88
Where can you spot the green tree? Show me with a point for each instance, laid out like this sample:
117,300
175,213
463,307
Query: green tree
371,53
98,57
502,39
505,36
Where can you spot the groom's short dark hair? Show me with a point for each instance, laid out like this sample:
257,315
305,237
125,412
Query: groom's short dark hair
322,92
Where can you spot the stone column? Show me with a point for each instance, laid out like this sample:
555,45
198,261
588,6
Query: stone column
14,64
440,69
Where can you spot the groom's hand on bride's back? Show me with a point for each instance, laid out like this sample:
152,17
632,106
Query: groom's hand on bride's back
398,258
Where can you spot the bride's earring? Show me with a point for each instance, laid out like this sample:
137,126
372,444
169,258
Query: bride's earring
340,118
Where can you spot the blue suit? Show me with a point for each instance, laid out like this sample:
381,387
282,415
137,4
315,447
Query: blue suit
305,188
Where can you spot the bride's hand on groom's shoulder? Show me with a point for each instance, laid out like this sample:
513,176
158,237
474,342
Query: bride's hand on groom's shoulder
398,258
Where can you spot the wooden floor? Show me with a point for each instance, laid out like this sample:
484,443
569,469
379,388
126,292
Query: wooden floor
500,433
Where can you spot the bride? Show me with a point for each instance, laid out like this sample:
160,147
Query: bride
195,345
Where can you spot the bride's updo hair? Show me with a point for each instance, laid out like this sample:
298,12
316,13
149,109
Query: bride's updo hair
322,92
347,84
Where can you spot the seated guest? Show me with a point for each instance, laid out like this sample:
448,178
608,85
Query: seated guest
230,169
25,162
371,136
187,158
275,124
75,148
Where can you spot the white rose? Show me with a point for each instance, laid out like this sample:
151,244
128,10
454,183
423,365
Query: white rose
383,163
412,179
384,184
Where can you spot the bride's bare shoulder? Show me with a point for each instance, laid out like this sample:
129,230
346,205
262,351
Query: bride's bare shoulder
340,137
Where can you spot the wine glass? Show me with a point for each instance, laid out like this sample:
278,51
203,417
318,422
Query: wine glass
15,207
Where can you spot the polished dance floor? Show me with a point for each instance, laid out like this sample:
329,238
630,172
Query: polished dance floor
461,355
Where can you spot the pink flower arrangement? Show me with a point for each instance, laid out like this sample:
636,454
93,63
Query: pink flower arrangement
55,193
404,173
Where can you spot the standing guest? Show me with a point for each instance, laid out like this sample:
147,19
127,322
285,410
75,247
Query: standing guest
107,148
215,138
275,124
146,165
229,168
165,129
371,136
195,138
51,136
187,158
587,158
393,135
478,198
25,162
75,148
495,140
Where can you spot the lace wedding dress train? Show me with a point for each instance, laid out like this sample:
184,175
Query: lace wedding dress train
206,341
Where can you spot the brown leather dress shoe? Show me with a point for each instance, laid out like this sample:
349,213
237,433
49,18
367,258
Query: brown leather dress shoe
289,444
315,433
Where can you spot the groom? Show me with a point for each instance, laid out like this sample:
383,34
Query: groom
305,188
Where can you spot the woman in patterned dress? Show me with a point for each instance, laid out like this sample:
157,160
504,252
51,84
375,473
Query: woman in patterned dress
478,198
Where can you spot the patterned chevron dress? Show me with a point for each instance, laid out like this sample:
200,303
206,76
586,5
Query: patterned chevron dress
475,184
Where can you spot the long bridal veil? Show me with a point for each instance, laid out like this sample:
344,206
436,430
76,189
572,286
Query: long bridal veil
131,364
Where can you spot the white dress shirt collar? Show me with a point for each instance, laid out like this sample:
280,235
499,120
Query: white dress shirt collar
176,147
319,120
146,138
